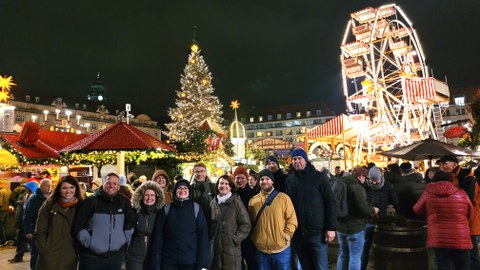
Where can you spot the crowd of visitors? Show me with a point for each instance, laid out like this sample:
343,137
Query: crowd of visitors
273,219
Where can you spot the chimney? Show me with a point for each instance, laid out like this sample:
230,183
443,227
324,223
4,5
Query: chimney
27,98
37,99
77,105
84,106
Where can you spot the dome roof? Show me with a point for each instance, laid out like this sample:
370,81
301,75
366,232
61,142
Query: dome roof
98,91
143,117
237,130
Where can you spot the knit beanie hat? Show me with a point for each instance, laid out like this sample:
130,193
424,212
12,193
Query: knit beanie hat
241,170
266,172
375,173
32,186
272,159
122,179
180,183
299,152
97,181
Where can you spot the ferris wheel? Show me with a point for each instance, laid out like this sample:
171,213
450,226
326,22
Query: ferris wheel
385,77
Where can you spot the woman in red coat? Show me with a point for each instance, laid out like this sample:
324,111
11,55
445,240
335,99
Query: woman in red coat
448,211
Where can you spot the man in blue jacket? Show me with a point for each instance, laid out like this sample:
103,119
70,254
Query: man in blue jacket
104,226
30,216
315,207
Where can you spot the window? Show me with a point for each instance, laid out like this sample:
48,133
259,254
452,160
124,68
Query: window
259,134
308,113
298,131
268,125
277,125
289,115
268,134
298,114
459,100
288,124
279,116
297,123
94,126
288,132
252,119
269,117
278,133
318,112
259,126
20,118
260,118
250,134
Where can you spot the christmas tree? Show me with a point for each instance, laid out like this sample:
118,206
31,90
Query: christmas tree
195,101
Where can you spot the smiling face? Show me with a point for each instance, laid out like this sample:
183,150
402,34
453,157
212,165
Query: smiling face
223,187
266,184
111,185
252,181
67,191
149,197
161,180
272,166
182,192
200,173
240,180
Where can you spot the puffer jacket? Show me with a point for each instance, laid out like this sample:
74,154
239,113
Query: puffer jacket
104,225
234,226
53,235
275,225
448,212
146,215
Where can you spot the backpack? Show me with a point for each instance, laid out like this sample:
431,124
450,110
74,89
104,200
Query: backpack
339,189
196,208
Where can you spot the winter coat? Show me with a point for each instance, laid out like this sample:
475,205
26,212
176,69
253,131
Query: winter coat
5,199
382,197
448,211
246,194
53,236
203,193
137,250
166,194
358,208
279,181
104,225
313,199
230,224
408,191
275,225
31,211
179,237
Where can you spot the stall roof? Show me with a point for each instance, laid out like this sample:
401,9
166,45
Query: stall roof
119,136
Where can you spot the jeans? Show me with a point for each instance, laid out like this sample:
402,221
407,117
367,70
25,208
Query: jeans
98,263
312,251
33,254
275,261
369,229
3,226
474,256
445,257
351,249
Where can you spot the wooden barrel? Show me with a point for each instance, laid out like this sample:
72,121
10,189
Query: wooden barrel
400,247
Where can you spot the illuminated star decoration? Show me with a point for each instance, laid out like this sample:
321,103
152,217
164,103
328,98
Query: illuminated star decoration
6,84
234,104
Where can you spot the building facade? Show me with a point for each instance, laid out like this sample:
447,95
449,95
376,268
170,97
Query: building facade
286,123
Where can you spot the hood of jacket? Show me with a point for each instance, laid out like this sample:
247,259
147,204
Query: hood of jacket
138,195
161,172
441,188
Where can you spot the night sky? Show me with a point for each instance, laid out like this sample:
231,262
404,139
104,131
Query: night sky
262,53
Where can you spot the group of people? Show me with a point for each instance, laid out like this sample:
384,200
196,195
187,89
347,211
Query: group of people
270,220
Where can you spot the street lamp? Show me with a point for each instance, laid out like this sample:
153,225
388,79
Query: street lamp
87,126
68,113
34,118
57,111
78,119
46,113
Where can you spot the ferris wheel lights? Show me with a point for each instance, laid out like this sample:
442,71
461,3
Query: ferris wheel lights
404,16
